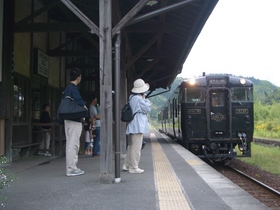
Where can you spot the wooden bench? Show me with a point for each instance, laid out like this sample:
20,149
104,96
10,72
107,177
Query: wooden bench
63,138
57,136
29,147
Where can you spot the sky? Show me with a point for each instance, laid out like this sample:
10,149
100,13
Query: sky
240,37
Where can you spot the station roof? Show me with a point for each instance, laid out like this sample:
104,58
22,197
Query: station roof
158,39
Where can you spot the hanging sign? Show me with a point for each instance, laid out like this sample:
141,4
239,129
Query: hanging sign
41,60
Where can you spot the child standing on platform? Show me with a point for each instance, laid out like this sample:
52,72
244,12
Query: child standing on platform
88,136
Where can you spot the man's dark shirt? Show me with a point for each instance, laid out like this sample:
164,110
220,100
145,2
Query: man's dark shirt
72,90
45,118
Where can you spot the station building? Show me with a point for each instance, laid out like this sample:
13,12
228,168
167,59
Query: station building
40,40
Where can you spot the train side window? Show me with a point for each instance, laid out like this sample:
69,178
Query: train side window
176,108
166,113
171,110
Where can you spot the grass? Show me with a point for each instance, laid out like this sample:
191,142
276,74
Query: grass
265,157
267,134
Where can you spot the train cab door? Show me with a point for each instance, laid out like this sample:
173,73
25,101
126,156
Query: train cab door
176,119
218,119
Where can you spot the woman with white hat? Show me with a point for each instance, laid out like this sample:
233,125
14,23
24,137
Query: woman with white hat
137,127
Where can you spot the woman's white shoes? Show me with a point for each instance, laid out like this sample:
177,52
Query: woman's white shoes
125,167
132,170
136,171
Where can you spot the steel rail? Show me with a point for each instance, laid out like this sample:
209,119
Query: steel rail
270,189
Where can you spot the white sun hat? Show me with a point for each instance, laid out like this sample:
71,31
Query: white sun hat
139,86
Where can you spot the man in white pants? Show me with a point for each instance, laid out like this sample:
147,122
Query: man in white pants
73,127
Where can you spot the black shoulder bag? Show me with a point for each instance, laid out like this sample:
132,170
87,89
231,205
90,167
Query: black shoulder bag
69,109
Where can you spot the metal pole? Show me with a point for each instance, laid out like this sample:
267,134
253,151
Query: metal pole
117,108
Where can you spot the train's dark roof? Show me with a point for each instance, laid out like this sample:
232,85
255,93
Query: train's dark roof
233,80
155,47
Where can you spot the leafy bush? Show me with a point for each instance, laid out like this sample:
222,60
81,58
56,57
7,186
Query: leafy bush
5,177
267,120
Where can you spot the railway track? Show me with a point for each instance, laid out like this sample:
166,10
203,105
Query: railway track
267,141
266,187
261,191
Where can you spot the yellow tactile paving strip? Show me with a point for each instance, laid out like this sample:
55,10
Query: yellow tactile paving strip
170,192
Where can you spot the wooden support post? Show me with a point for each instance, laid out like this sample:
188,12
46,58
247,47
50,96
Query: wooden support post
6,97
106,114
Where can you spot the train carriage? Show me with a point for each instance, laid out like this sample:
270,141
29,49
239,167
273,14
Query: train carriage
212,116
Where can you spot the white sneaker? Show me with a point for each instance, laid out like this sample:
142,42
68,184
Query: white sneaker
125,167
75,172
136,171
47,154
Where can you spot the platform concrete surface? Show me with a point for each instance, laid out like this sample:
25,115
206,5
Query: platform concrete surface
42,184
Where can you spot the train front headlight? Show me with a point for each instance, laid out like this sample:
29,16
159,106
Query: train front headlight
242,81
192,81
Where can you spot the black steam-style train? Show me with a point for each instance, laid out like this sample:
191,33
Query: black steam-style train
212,116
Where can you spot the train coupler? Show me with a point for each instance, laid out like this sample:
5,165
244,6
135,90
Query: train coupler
243,145
204,149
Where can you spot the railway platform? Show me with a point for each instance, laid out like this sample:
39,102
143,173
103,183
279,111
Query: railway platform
173,179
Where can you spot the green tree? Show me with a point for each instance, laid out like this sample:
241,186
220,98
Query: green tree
160,96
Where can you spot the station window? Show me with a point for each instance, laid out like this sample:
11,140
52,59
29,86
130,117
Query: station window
54,99
19,103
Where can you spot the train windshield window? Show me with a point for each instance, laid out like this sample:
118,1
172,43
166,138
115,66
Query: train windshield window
242,94
194,95
218,99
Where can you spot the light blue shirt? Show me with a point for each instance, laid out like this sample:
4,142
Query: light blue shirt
140,123
93,110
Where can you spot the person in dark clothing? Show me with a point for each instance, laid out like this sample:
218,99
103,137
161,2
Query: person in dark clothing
94,111
73,127
45,144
